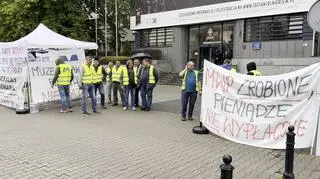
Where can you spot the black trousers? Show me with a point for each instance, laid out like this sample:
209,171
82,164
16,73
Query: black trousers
137,96
188,98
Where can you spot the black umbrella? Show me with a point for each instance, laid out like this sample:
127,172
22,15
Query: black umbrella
140,55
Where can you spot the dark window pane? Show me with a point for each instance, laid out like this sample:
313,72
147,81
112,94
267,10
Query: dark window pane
283,27
161,37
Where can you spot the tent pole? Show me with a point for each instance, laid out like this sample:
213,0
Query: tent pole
106,26
96,25
116,13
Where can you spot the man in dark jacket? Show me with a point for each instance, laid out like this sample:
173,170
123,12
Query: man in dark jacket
137,68
148,79
99,77
62,78
252,69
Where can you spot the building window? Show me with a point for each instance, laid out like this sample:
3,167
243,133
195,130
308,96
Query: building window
281,27
154,38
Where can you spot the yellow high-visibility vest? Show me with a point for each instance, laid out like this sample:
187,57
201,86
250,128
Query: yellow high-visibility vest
152,79
108,70
125,81
185,79
97,75
87,77
255,72
64,78
116,74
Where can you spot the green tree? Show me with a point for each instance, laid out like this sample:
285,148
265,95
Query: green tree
20,17
123,20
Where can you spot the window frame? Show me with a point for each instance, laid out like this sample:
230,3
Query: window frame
155,38
276,28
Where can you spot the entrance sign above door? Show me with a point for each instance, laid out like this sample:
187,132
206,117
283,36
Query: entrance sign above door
220,12
314,17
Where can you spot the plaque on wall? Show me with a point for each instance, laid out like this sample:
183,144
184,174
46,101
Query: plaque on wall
256,46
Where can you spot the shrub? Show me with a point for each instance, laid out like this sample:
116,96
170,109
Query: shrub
106,60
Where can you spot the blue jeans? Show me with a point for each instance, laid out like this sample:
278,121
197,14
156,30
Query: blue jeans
88,90
188,97
64,92
146,93
132,91
101,91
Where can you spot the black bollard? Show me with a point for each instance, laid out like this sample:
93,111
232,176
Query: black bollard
226,168
200,129
288,172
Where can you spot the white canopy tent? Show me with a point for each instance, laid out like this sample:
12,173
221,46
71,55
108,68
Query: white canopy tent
17,67
43,37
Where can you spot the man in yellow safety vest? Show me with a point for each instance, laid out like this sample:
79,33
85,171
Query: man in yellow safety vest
99,77
129,82
227,65
137,68
87,80
252,69
147,80
109,80
116,83
191,86
62,78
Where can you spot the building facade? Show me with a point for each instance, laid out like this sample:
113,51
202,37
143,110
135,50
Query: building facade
273,33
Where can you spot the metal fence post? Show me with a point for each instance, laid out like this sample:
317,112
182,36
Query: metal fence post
288,172
226,168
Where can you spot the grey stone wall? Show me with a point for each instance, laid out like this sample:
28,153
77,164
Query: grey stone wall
275,66
270,49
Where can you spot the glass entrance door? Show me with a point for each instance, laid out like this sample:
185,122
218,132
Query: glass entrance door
211,53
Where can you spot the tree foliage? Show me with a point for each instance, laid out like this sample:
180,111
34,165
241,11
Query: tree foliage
123,20
20,17
67,17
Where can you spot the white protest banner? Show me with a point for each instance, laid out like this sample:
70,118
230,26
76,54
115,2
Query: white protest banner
42,70
317,144
257,111
13,74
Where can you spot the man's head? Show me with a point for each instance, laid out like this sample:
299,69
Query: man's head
110,64
118,63
136,62
129,64
251,66
190,65
146,62
227,61
60,60
88,60
96,62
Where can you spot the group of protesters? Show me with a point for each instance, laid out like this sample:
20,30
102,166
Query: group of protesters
137,78
191,85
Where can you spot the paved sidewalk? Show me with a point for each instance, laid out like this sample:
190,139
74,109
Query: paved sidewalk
117,144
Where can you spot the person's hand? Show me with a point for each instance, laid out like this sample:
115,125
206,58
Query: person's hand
80,86
200,93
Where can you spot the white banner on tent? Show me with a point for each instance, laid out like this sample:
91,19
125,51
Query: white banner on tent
13,75
42,72
257,111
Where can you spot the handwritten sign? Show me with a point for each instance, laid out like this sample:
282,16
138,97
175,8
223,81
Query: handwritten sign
257,111
42,69
13,75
